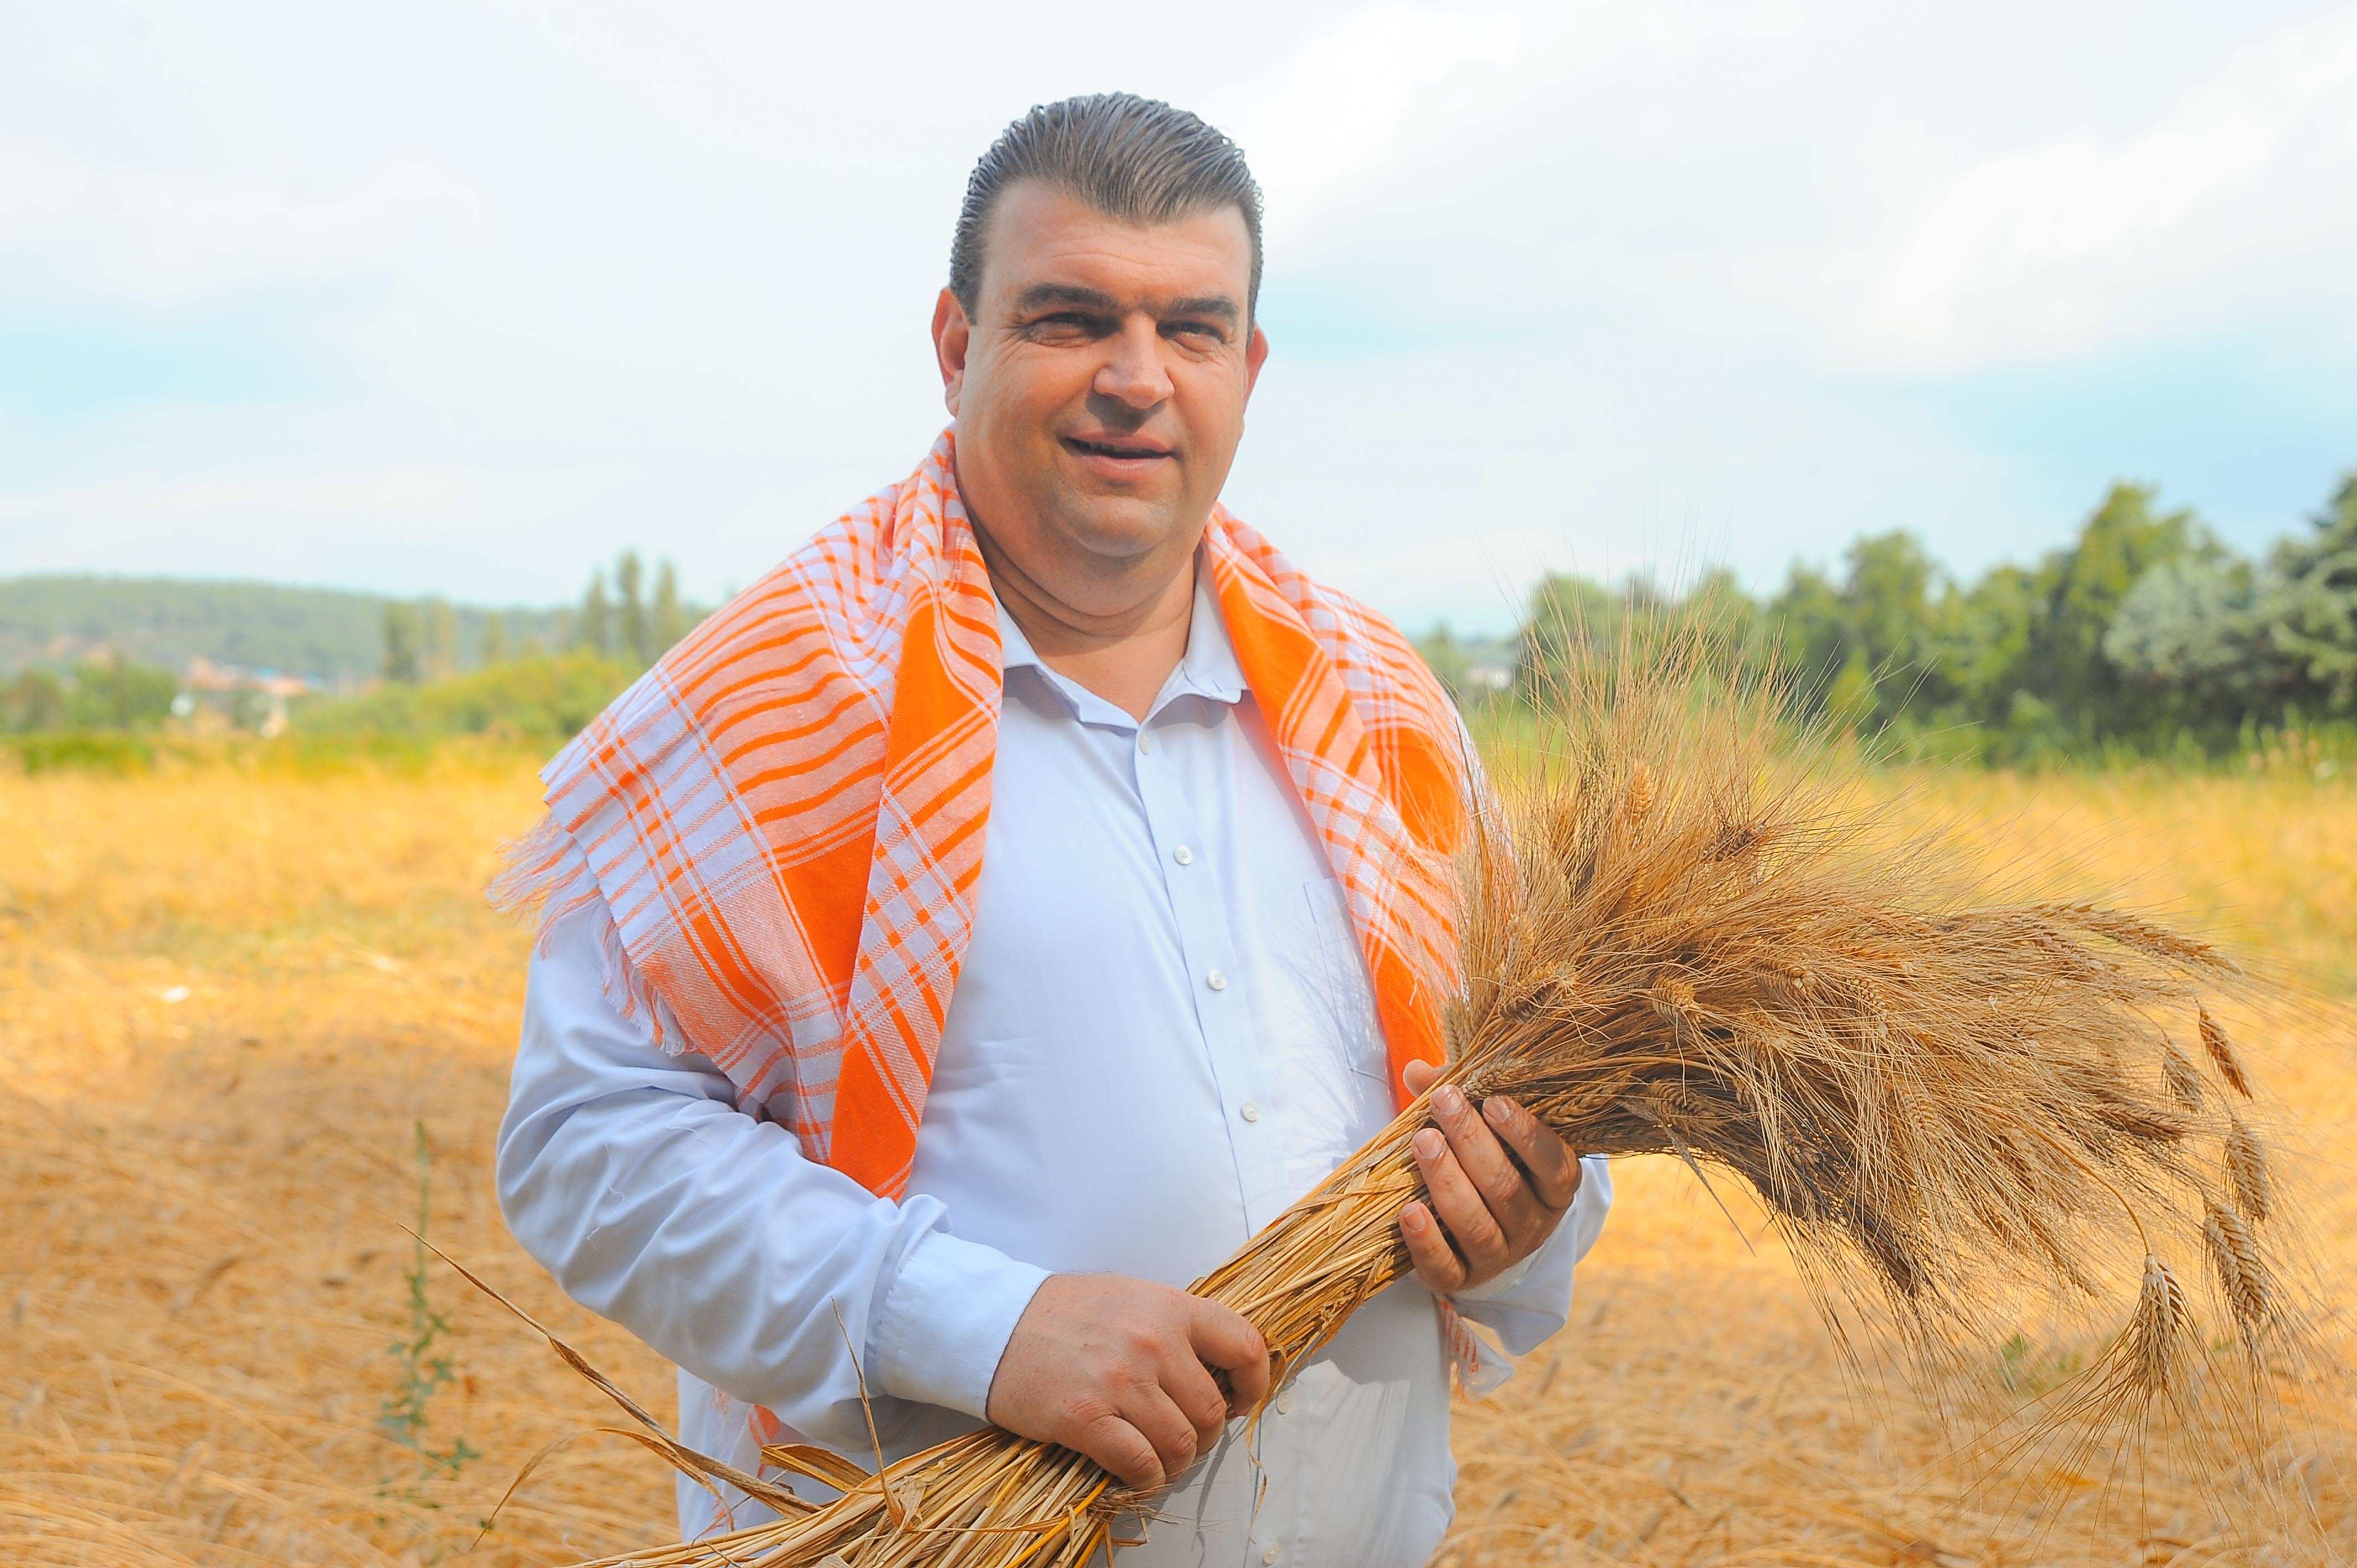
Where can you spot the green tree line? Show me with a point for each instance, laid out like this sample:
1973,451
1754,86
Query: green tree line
441,669
533,692
96,694
633,624
2144,635
331,635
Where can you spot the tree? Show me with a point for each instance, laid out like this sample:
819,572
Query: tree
1983,645
441,657
35,700
1814,633
1716,606
596,623
1894,626
1570,618
403,643
2310,608
1576,622
634,632
2190,634
1445,657
1865,650
493,648
2122,541
120,693
669,618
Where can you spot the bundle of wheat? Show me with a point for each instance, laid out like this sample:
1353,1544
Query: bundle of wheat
1696,941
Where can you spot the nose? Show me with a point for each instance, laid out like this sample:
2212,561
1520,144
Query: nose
1132,372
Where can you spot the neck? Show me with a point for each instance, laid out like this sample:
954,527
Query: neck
1124,656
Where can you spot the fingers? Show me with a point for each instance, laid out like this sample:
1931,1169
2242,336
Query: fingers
1225,1339
1174,1436
1419,1077
1553,1168
1503,1190
1170,1409
1480,1239
1186,1383
1498,1182
1438,1269
1148,1440
1124,1450
1114,1368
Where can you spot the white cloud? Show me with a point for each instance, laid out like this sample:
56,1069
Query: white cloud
1592,282
2237,198
291,526
141,237
1322,121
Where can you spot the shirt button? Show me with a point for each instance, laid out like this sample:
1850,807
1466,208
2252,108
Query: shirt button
1183,855
1216,979
1249,1111
1285,1402
1145,742
1271,1553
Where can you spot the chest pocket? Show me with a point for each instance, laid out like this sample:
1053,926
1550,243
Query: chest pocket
1340,978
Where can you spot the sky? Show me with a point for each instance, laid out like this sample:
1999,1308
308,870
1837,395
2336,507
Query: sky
464,298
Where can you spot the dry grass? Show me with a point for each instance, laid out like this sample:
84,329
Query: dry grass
200,1259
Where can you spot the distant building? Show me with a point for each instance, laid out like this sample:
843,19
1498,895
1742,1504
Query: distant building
1490,677
241,697
204,675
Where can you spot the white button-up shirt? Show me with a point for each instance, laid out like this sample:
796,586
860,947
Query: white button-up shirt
1163,1033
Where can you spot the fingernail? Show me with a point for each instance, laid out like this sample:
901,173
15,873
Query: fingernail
1413,1217
1498,1110
1428,1144
1449,1100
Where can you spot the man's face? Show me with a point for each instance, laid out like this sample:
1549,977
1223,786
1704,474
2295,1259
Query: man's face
1100,390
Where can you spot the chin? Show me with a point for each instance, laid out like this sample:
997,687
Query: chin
1120,527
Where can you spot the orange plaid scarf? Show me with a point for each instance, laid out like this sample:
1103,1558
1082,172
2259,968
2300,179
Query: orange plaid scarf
785,816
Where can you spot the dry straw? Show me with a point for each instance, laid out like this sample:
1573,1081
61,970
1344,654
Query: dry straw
1697,942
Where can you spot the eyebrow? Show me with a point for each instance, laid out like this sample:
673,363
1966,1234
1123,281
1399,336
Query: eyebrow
1040,295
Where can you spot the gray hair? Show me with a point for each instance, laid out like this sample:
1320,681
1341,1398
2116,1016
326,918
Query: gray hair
1131,158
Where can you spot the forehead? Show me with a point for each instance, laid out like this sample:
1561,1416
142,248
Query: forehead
1039,234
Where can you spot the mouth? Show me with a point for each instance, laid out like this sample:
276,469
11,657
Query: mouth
1125,451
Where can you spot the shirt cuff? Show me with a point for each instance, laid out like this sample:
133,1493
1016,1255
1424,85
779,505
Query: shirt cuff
1512,1280
947,1319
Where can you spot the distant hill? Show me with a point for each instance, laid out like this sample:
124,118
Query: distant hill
328,634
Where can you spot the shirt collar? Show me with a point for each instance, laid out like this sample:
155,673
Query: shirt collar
1208,669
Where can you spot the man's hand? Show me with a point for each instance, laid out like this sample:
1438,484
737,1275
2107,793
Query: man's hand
1120,1369
1494,1213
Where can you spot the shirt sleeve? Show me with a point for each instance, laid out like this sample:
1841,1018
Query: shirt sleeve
1533,1299
635,1179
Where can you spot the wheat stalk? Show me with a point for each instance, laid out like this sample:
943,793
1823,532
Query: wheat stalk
2222,1051
2246,1171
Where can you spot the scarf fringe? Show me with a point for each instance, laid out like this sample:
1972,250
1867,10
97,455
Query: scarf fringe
1480,1367
545,878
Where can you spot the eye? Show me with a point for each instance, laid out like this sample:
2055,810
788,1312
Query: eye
1066,326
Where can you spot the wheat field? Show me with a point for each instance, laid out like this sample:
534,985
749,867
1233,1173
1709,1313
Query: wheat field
230,997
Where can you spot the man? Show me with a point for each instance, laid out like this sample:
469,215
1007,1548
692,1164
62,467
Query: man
980,928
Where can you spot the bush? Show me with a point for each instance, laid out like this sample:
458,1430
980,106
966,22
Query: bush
120,693
35,700
543,699
94,751
101,694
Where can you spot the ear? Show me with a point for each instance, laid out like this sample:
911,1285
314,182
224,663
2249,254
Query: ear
1255,356
950,334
